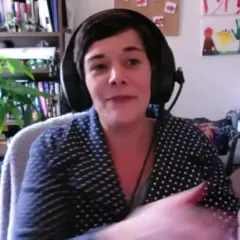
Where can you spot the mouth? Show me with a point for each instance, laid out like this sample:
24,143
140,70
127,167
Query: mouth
121,98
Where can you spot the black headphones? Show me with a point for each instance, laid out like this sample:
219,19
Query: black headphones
77,95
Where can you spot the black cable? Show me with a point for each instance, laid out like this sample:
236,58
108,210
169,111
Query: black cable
176,98
179,78
158,121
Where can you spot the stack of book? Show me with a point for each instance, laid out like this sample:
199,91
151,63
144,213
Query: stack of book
47,107
3,149
29,15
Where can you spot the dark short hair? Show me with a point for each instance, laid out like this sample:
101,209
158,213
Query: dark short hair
114,21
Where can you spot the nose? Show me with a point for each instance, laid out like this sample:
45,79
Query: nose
117,75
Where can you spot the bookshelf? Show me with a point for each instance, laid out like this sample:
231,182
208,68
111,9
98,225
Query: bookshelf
3,149
39,74
31,39
30,34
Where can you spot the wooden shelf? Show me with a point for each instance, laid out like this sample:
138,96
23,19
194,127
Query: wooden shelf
31,39
30,34
10,123
39,75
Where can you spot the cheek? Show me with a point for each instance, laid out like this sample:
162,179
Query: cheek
95,89
145,86
144,81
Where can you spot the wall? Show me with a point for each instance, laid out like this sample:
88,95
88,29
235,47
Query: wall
212,85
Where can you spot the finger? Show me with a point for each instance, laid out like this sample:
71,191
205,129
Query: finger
190,196
182,199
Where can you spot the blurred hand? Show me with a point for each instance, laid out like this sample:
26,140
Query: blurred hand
172,218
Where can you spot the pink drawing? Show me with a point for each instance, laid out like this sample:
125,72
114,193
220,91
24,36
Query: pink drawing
141,3
221,7
159,21
170,7
205,5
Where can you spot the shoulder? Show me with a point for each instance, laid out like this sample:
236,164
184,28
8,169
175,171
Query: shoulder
184,127
57,142
184,132
78,123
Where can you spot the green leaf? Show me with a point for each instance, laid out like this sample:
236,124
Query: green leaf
18,88
15,65
27,116
2,69
17,116
14,94
28,72
3,115
10,68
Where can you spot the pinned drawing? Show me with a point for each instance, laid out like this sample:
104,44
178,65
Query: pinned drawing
170,7
220,37
208,44
142,3
159,21
164,13
220,7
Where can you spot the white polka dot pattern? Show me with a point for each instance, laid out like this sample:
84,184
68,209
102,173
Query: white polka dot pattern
71,185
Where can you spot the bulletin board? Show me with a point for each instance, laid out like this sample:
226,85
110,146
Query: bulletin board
165,13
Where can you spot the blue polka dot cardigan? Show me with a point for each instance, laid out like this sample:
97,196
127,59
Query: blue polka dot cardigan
71,186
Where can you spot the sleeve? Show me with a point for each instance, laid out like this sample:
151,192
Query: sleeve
220,196
42,209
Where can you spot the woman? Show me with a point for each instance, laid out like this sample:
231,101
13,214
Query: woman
94,172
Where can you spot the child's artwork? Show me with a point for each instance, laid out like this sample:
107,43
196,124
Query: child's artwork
220,7
170,7
141,3
220,37
159,21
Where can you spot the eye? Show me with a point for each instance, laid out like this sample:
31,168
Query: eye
133,62
99,67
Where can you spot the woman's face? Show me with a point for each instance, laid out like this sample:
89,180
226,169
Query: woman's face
118,77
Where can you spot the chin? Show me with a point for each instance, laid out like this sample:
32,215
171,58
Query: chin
122,114
120,118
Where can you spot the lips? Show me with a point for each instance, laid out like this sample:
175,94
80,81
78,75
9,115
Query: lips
121,98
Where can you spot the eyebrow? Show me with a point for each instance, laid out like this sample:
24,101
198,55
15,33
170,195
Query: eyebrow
132,48
125,49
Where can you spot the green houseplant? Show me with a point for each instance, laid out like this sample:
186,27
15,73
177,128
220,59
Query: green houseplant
13,94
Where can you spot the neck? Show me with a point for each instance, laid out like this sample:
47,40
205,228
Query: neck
132,138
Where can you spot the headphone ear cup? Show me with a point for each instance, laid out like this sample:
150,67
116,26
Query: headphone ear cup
164,77
74,88
167,86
